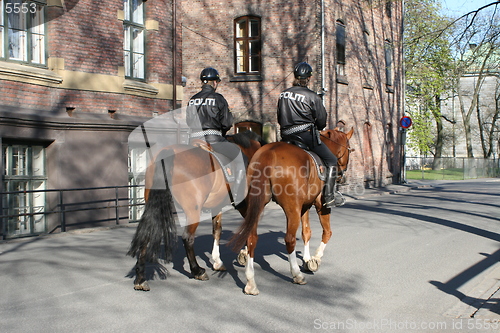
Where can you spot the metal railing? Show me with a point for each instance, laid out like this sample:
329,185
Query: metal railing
451,168
62,208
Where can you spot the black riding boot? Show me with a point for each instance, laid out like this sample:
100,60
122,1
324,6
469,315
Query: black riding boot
238,188
332,197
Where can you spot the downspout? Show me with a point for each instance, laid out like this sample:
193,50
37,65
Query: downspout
402,173
174,54
323,89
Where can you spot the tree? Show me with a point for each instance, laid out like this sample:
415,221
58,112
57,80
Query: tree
428,65
476,43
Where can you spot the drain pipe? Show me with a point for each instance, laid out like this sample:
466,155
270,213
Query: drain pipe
174,54
323,89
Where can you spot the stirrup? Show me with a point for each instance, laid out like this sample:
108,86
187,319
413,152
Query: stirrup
337,200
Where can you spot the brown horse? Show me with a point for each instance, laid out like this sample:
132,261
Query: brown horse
189,176
286,174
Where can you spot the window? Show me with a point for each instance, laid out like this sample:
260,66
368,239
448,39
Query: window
137,164
340,44
388,62
24,170
22,31
134,39
247,45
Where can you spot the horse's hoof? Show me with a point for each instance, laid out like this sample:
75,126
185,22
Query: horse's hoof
143,286
202,277
251,290
242,258
299,280
312,265
219,267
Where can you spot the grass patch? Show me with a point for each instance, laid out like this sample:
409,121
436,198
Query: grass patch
444,174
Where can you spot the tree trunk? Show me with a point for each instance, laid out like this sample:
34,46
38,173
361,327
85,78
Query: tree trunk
436,112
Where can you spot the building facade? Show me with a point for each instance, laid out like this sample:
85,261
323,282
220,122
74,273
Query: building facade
76,77
354,47
485,128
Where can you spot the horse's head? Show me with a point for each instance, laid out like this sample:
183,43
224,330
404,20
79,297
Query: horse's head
248,141
338,143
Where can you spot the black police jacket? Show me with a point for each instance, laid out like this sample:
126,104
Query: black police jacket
208,110
300,105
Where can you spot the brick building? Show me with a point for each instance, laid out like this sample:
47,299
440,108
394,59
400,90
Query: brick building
355,48
76,77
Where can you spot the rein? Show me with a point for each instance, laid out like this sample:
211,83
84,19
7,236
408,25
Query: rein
348,149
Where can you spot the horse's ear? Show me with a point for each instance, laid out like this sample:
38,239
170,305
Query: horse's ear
350,133
336,129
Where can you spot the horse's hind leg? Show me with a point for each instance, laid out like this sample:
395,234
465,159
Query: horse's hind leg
251,286
188,240
140,282
217,230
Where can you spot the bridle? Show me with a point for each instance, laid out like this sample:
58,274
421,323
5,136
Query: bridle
347,150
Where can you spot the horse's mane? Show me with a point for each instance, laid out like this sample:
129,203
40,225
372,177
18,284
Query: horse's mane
243,138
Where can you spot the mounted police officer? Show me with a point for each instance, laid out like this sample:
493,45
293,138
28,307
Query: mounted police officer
209,118
301,115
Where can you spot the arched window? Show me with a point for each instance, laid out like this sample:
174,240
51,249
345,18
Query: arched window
388,49
247,45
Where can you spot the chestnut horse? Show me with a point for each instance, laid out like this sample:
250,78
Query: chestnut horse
286,173
196,182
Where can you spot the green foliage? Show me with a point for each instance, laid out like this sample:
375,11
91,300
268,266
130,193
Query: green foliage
428,69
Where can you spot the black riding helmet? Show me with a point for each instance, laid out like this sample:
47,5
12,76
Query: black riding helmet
302,71
209,74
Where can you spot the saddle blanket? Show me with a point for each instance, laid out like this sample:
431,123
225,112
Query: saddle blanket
320,166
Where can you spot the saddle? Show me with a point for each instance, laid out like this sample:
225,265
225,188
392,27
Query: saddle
224,162
320,166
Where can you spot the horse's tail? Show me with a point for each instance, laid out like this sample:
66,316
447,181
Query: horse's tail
157,223
258,196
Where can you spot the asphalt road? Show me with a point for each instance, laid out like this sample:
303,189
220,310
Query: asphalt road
424,260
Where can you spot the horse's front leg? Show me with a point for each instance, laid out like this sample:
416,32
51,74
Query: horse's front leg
309,263
217,230
324,219
293,220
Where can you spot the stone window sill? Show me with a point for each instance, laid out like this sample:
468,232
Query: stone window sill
246,78
18,72
139,87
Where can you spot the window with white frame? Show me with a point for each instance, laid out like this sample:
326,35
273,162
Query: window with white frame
247,45
24,180
134,32
137,164
22,31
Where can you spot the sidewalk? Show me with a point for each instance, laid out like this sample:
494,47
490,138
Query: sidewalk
357,192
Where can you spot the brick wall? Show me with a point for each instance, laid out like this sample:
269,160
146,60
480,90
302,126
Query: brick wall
88,39
291,33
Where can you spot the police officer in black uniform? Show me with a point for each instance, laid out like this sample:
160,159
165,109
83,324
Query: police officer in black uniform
301,115
209,118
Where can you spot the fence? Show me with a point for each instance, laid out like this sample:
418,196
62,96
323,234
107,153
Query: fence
451,168
24,218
